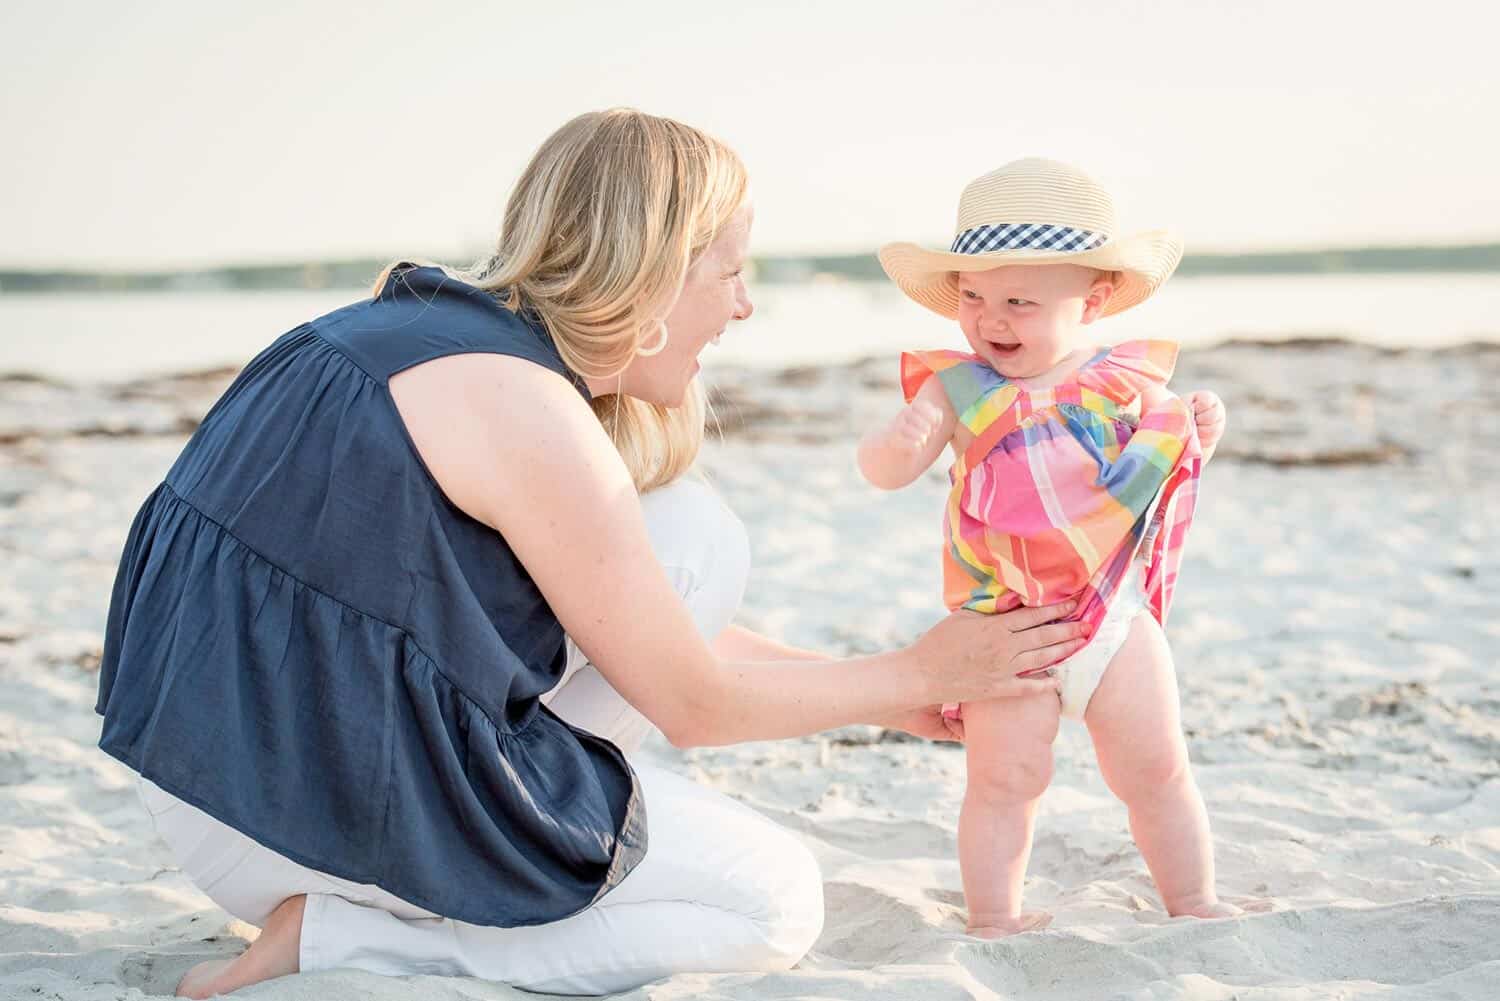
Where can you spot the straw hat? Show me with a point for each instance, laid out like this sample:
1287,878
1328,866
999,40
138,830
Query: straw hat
1034,211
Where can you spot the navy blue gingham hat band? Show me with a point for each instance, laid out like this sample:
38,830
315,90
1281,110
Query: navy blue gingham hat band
1026,236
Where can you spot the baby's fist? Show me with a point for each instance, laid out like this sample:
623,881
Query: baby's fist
1210,416
914,425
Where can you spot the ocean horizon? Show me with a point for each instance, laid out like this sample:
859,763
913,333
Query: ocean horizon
111,337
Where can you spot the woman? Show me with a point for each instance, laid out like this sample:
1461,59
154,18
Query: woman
336,648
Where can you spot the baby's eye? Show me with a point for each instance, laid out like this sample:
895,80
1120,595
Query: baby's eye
970,294
1019,302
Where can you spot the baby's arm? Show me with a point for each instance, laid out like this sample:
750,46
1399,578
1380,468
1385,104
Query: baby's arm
892,456
1208,414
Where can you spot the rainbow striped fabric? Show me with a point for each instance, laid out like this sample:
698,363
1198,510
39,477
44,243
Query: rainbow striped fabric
1063,487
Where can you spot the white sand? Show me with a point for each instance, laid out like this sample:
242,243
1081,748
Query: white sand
1336,634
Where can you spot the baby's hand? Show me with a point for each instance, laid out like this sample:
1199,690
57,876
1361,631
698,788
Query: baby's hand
892,456
1211,418
914,426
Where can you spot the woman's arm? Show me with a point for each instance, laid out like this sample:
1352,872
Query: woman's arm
739,643
515,447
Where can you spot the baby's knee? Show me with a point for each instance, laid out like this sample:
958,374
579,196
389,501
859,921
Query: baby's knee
1009,748
1149,775
1019,777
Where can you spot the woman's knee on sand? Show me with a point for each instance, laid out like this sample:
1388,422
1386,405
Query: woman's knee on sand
708,848
790,915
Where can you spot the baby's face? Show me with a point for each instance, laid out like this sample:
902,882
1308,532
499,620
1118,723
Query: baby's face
1024,319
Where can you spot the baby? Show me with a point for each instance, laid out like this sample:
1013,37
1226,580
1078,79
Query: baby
1075,475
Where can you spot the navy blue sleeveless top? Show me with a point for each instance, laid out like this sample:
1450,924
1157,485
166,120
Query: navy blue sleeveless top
309,642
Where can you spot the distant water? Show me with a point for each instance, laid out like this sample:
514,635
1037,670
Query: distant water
106,337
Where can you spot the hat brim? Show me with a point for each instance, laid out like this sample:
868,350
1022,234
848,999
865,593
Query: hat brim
929,277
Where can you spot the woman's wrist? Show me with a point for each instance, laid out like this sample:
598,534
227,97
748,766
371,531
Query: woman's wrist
917,681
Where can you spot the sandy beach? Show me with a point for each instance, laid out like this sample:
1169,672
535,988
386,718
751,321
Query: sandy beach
1336,631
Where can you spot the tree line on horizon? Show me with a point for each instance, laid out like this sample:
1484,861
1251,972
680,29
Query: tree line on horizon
772,269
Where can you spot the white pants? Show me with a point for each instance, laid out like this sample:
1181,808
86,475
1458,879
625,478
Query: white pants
721,888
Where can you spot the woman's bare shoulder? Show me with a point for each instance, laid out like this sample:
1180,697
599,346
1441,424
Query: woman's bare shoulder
483,421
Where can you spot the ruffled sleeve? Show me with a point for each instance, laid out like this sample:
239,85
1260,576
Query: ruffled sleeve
966,380
1130,368
918,366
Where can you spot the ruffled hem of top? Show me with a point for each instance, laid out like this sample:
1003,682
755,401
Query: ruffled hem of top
281,711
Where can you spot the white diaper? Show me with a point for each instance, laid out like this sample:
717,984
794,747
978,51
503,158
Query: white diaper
1081,673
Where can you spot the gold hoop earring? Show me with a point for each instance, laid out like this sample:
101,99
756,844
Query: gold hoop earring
656,348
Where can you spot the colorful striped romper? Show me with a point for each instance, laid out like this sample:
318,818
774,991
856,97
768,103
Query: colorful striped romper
1064,488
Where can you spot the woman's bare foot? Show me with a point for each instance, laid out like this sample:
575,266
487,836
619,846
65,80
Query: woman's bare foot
273,954
1005,927
192,984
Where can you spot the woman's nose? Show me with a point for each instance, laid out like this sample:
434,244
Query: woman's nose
743,307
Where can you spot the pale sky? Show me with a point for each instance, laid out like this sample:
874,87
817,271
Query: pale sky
184,132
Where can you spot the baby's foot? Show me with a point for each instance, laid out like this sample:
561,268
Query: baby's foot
1005,927
1214,907
1253,905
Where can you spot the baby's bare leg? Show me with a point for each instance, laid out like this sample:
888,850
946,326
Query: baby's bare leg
1136,726
1009,746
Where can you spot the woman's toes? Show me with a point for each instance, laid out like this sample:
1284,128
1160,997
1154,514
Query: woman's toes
274,954
198,982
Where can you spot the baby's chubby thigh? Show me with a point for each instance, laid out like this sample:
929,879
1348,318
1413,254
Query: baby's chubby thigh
1008,743
1134,718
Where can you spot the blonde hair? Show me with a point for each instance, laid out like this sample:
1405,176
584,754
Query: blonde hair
597,239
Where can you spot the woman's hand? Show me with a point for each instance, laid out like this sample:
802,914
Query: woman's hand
969,657
1210,416
927,722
